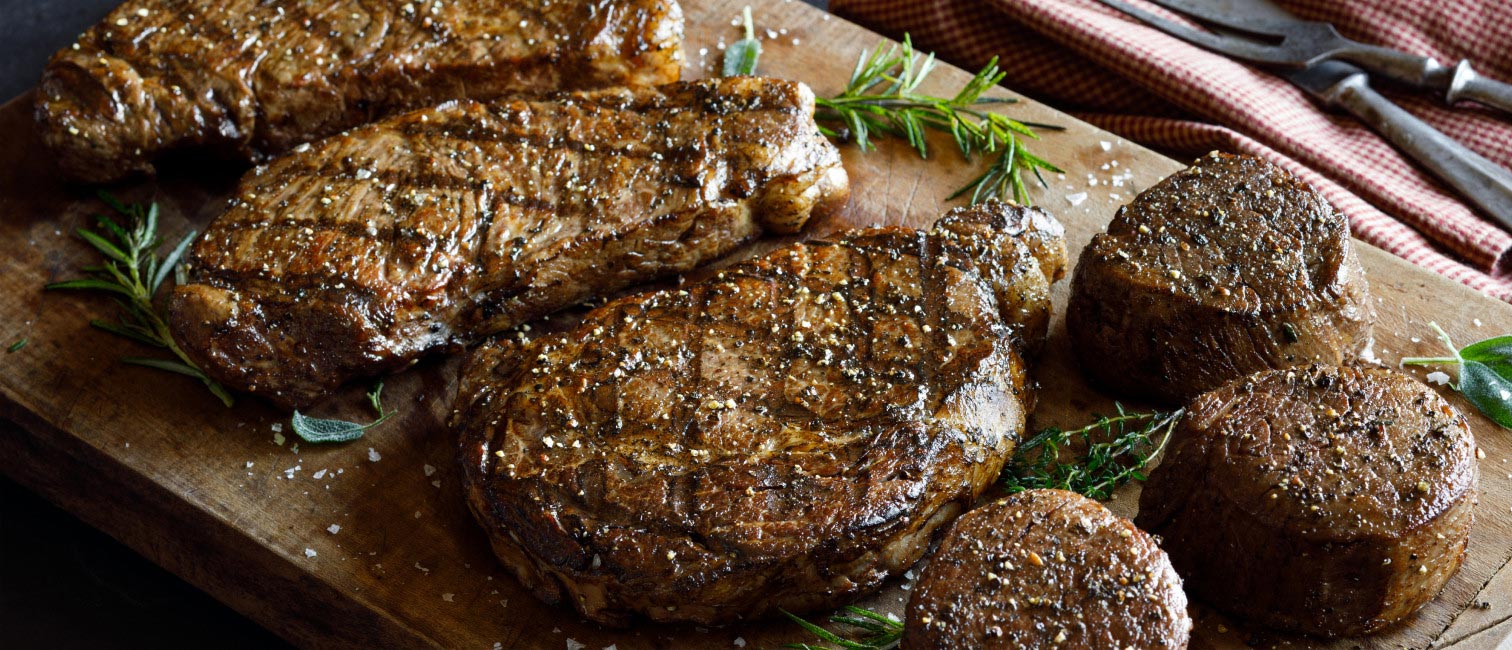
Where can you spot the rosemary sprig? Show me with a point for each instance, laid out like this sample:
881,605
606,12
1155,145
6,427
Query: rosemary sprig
1118,448
880,632
132,273
882,98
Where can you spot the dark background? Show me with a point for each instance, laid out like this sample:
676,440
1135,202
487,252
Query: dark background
64,584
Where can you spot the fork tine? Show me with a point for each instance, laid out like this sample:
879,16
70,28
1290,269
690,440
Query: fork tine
1231,45
1252,24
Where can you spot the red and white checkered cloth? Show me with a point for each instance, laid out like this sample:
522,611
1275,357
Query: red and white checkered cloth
1122,76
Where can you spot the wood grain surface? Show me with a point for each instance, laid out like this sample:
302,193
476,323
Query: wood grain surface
206,491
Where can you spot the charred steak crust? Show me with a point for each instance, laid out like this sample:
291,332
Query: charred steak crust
253,78
1044,569
1326,500
360,253
1229,267
786,434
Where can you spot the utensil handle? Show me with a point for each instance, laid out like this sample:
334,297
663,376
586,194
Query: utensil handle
1457,83
1481,181
1469,84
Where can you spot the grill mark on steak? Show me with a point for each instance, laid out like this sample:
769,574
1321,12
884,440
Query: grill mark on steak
772,437
1229,267
356,255
1327,500
251,79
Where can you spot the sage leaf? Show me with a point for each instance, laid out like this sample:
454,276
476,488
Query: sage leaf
1495,352
1485,373
741,57
316,430
1489,390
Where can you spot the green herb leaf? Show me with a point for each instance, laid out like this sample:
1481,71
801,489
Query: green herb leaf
740,58
884,633
317,430
375,397
1489,390
1485,373
1117,450
15,347
1496,351
132,273
881,99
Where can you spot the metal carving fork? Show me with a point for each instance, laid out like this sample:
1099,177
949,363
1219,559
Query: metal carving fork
1315,54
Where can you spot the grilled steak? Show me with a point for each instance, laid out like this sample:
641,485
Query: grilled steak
786,434
1044,569
360,253
1227,268
1326,500
251,78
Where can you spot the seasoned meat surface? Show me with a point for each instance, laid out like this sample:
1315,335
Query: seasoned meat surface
1230,267
784,435
1046,569
253,78
359,253
1326,500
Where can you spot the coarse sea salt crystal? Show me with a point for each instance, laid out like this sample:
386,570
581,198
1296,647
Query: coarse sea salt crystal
373,455
430,469
278,439
1369,353
448,597
1077,198
309,552
334,528
1106,146
319,474
572,644
1438,378
740,642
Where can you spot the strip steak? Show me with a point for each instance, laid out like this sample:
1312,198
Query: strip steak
250,79
356,255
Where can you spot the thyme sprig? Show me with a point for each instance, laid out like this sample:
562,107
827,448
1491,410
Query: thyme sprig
877,631
1117,450
132,273
882,98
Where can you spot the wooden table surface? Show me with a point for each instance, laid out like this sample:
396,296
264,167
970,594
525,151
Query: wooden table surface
208,493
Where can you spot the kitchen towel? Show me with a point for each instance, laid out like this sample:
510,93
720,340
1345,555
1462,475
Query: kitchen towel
1122,76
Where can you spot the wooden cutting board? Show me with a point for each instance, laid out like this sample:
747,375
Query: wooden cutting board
207,492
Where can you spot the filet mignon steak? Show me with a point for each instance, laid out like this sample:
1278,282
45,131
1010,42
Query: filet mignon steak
253,78
786,434
359,253
1229,267
1326,500
1046,569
